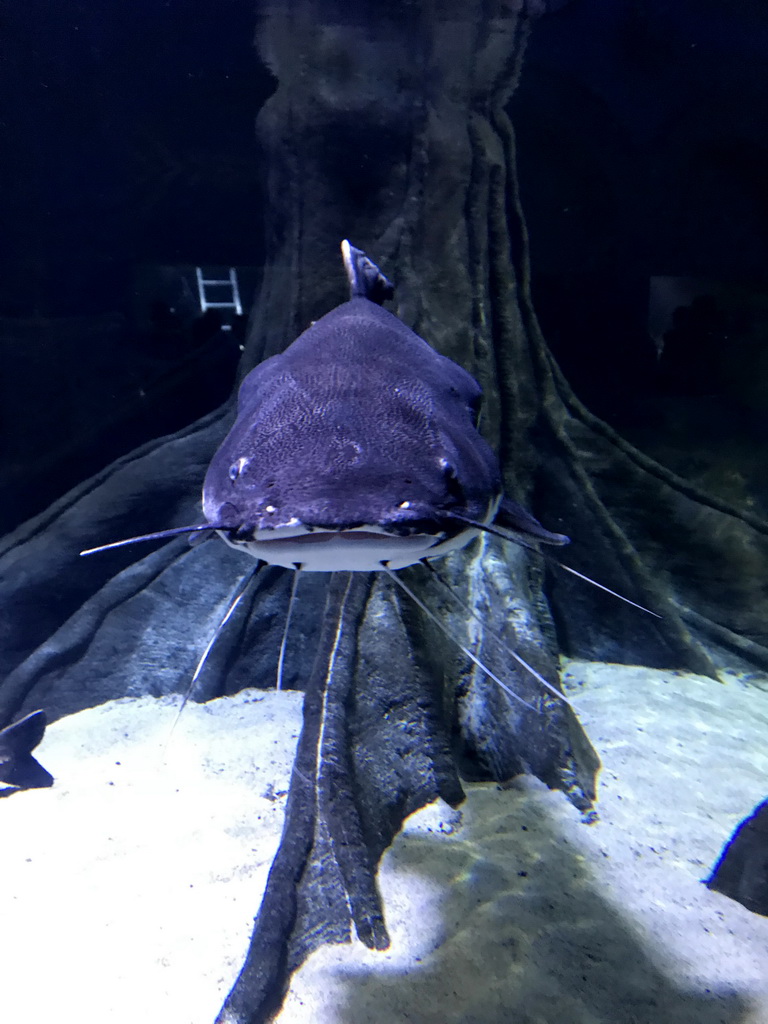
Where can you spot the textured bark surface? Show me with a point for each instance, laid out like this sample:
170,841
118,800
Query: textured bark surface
389,126
402,138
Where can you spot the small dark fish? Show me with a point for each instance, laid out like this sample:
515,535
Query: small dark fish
18,769
741,872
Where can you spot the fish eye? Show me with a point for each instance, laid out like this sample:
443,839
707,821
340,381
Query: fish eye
236,468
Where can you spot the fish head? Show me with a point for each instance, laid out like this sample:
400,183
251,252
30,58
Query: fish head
355,446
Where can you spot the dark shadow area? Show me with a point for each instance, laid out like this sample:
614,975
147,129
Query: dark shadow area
526,936
93,391
659,168
131,141
127,139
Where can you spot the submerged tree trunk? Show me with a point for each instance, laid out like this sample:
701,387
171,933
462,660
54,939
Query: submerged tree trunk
398,136
389,126
396,131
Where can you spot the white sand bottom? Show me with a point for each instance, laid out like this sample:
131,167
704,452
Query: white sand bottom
129,888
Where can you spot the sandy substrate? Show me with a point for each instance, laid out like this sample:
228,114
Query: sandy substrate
129,888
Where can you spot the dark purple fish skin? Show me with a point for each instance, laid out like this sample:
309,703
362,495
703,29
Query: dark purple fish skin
18,768
741,872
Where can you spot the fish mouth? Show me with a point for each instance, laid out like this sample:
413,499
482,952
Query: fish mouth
315,536
357,549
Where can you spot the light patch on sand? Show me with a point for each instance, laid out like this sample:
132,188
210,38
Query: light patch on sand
532,916
129,888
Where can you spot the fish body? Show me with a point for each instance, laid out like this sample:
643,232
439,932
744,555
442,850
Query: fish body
356,448
357,445
18,768
353,446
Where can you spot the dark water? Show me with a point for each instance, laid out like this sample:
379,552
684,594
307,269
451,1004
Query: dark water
614,305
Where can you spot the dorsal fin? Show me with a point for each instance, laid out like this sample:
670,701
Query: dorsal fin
366,281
